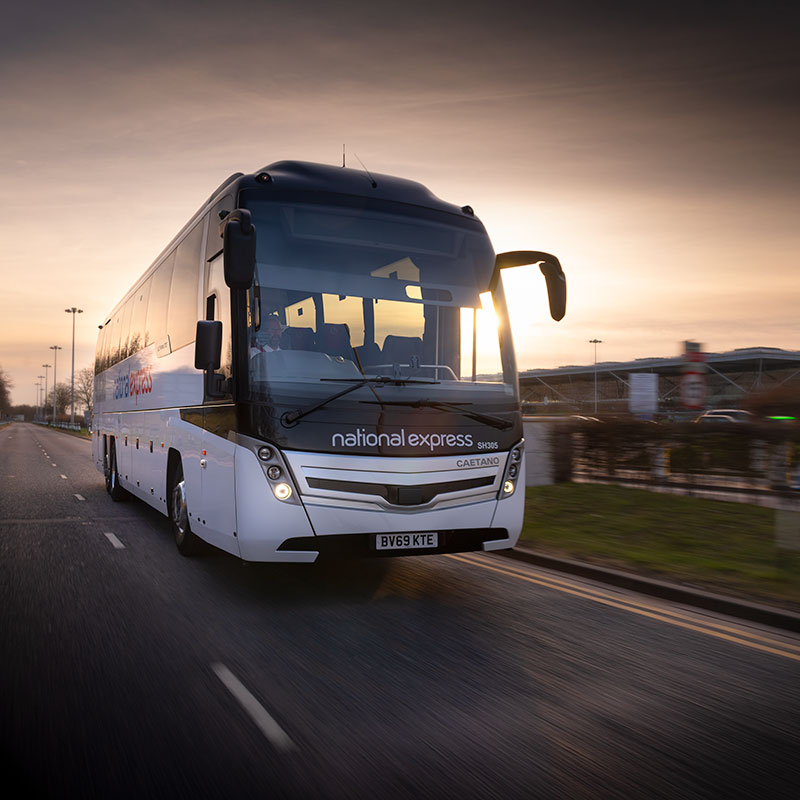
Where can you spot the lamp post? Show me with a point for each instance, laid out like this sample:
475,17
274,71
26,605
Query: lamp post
44,402
55,348
38,395
595,342
73,311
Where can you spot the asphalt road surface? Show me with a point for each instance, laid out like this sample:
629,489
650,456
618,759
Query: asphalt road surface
130,671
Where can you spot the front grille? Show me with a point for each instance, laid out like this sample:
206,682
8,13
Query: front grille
400,495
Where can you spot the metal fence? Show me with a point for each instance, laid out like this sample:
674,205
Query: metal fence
70,426
751,461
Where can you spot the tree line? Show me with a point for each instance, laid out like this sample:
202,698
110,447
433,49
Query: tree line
5,393
84,380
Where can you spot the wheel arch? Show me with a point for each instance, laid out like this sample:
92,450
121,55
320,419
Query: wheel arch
174,459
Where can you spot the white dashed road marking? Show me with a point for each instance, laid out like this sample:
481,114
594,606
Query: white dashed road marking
80,497
64,477
256,711
116,542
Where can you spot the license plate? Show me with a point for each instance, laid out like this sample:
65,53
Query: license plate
406,541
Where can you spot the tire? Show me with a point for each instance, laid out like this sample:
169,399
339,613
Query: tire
186,541
115,491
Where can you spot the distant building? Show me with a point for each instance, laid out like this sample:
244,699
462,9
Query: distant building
731,379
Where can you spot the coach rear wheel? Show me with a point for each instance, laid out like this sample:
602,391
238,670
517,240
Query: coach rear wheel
113,488
187,543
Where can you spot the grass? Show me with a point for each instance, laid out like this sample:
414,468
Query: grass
719,546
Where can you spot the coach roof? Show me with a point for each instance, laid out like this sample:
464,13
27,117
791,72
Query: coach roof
307,176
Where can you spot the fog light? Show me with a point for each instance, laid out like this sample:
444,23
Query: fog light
508,487
282,491
513,471
274,472
264,453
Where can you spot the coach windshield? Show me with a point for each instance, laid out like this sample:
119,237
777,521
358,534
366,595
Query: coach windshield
395,303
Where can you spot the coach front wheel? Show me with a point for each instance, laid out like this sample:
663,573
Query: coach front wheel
187,543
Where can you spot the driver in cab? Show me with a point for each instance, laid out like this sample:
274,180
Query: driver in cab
268,338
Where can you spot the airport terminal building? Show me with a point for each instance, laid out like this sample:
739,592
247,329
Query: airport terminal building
728,380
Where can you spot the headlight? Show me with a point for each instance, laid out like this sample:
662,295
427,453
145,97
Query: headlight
274,472
282,491
513,466
264,453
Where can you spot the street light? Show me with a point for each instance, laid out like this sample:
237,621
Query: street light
73,311
55,348
595,342
38,395
44,402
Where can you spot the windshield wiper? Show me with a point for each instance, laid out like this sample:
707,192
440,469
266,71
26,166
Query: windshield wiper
290,417
495,422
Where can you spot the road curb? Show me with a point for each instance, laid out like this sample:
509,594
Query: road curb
765,615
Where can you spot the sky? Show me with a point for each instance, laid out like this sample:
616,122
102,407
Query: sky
653,150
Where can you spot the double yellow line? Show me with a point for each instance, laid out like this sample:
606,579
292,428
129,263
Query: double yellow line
739,636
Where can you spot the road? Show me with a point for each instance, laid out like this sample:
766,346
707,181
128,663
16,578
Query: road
130,671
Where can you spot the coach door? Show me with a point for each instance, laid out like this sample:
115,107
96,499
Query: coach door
216,473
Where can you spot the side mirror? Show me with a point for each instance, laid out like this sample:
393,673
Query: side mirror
207,353
551,269
239,248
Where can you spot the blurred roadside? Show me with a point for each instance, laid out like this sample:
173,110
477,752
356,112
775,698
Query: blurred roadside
739,550
712,506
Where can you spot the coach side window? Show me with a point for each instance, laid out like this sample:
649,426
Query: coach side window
102,361
125,329
182,315
139,318
113,337
159,299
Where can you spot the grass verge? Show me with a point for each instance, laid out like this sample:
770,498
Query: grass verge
83,433
725,547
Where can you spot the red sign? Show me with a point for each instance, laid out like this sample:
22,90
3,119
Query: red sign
693,390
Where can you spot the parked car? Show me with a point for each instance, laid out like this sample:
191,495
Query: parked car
726,415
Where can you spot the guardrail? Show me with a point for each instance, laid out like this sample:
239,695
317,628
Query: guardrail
68,426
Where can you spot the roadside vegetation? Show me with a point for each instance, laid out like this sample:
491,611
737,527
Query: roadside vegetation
726,547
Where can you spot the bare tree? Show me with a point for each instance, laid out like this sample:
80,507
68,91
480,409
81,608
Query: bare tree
5,392
63,396
84,388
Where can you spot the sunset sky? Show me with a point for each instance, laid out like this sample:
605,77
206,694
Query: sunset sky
654,151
